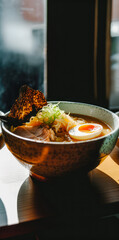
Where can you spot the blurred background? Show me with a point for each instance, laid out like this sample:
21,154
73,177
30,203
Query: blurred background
67,49
22,48
114,56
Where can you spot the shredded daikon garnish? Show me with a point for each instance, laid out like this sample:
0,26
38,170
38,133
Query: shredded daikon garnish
64,123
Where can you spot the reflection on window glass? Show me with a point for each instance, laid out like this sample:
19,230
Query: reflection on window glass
114,94
22,48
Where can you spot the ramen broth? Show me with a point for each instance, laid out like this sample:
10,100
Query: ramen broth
46,133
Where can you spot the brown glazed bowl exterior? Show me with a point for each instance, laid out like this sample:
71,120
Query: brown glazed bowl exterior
117,143
52,159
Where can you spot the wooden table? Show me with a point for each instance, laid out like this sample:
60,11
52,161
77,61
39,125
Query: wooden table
75,206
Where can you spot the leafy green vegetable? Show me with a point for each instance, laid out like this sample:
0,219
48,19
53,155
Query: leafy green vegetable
49,113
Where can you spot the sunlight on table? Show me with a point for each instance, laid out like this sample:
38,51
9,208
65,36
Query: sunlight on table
11,180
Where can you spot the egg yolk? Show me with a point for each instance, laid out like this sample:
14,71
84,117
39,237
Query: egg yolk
86,131
89,127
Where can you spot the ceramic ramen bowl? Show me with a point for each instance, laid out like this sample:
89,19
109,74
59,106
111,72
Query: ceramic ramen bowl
117,143
54,159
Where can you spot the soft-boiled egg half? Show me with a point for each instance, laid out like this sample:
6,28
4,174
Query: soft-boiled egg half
85,131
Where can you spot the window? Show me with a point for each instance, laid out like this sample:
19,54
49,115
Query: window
114,94
77,48
22,48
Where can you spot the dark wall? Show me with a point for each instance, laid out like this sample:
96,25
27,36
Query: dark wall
70,50
71,27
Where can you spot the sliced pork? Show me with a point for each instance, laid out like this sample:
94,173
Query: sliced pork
37,132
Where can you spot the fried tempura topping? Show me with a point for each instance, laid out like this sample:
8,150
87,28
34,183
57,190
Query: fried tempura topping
29,102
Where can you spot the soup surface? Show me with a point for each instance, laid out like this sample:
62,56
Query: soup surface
69,128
